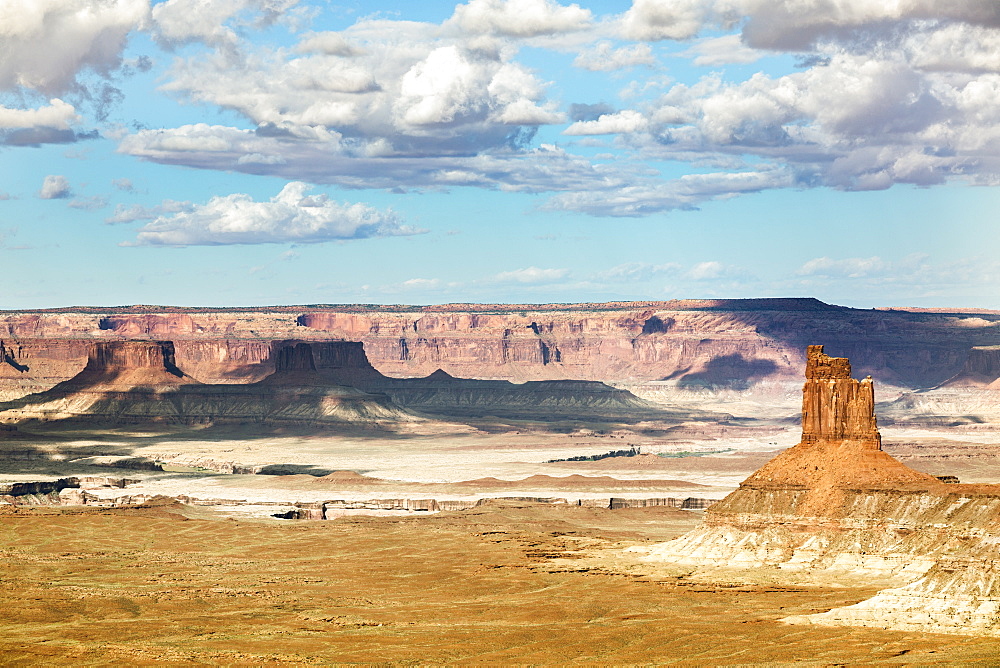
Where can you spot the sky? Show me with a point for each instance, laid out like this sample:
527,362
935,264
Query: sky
267,152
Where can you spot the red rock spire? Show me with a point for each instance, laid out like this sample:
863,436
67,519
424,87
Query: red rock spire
836,407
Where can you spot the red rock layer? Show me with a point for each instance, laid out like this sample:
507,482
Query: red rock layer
695,342
131,363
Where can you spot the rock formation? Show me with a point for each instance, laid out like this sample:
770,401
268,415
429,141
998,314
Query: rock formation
345,363
138,381
836,506
687,343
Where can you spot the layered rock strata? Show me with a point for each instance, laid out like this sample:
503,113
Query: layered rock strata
138,381
687,343
836,506
346,363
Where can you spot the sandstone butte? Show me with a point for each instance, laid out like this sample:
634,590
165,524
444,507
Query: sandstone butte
837,506
138,381
314,383
692,343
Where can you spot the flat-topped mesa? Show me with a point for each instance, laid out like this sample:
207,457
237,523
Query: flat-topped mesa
130,362
836,407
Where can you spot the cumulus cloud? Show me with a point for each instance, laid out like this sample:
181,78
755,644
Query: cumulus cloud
397,87
55,187
885,93
897,125
607,124
43,125
604,57
725,50
179,22
531,275
320,156
47,43
795,26
519,18
58,115
290,216
651,20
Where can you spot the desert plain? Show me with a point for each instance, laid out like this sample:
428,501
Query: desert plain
456,486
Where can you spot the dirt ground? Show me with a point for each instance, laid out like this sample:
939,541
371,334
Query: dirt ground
496,584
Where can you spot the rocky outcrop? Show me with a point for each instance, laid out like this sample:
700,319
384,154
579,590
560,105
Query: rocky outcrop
837,506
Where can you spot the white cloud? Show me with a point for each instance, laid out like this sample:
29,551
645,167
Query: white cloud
707,271
89,203
725,50
57,115
399,85
421,284
885,93
854,267
651,20
604,57
795,26
55,187
47,43
130,214
531,275
620,122
181,21
955,47
290,216
328,43
519,18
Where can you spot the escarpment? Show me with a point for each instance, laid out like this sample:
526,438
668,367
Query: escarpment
690,344
836,506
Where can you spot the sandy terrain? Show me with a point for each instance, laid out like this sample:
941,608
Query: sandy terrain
493,584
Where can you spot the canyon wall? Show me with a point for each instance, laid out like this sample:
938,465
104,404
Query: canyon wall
690,343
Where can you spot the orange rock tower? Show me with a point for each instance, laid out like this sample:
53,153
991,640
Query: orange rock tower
840,448
836,406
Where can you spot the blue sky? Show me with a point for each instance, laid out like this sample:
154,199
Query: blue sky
251,152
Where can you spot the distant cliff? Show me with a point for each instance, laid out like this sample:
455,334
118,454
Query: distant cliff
693,343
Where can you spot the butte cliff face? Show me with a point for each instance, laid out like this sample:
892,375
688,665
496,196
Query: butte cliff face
139,382
836,506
